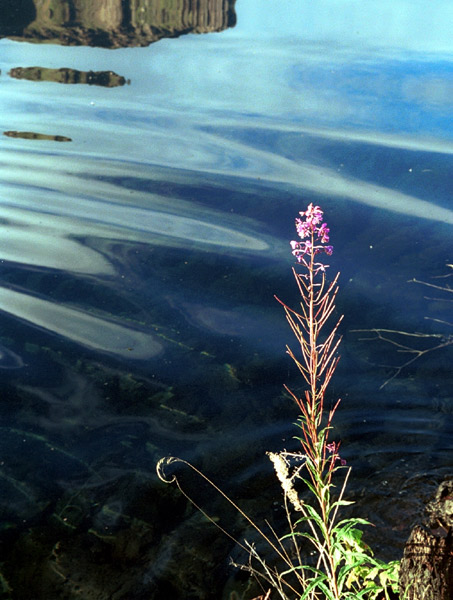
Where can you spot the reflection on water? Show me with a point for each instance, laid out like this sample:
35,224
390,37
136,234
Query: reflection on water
94,332
112,23
81,207
70,76
30,135
138,266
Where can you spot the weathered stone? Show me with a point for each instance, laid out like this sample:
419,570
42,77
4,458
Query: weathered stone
112,23
427,565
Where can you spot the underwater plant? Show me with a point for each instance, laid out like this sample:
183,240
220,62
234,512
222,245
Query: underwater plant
321,555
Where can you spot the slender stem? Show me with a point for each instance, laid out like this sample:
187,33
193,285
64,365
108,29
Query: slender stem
319,363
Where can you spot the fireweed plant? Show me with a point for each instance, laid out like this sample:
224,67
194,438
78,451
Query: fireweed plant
321,556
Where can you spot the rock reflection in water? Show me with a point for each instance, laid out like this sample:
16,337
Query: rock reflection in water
112,23
64,75
31,135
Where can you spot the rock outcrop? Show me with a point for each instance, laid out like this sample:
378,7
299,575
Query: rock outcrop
112,23
427,565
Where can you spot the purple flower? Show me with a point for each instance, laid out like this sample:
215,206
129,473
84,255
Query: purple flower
313,214
323,233
310,227
299,249
302,228
333,449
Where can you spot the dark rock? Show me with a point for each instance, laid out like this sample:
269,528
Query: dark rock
427,565
112,23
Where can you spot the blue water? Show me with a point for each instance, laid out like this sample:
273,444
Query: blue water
139,264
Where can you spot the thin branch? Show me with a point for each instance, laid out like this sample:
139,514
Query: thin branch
447,341
437,287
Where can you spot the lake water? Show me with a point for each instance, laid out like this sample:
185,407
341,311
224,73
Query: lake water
145,226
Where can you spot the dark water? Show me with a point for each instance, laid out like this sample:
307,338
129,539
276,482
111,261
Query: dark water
145,221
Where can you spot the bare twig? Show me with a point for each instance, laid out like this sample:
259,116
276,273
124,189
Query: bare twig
445,340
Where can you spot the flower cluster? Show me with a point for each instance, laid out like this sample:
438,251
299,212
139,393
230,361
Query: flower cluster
333,449
312,228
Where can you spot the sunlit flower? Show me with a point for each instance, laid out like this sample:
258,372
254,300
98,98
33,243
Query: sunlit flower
323,233
313,214
302,228
318,234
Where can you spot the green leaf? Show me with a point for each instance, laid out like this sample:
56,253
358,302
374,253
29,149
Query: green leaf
314,516
350,537
326,591
308,589
303,534
345,571
346,524
310,487
373,573
314,583
339,503
318,582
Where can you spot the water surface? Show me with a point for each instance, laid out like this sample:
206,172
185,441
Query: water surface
139,261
